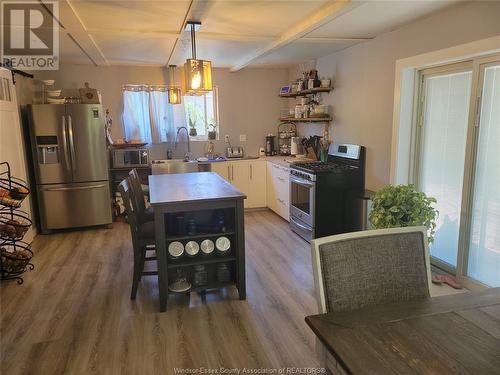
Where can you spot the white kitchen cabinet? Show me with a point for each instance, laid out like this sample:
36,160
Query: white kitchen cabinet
257,184
272,202
278,189
248,176
240,177
222,168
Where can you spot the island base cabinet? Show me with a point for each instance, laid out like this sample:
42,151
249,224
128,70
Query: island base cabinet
199,234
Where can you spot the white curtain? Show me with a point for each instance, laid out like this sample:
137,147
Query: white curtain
147,114
162,117
136,121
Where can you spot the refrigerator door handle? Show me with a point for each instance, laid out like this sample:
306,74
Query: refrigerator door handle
65,143
74,188
71,143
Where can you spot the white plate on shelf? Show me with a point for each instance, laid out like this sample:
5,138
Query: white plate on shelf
175,249
53,93
48,82
223,244
56,101
207,246
192,248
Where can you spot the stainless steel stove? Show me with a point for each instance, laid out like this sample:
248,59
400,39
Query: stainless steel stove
324,195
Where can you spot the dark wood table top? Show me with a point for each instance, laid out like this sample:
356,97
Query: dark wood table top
456,334
190,187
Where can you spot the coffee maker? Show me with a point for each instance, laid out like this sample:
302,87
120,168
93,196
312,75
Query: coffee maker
270,147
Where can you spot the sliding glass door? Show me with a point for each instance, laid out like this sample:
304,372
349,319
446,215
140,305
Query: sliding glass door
457,161
484,240
445,111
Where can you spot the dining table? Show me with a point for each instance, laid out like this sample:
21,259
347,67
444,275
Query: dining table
452,334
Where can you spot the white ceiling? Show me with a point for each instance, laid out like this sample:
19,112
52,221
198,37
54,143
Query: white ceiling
234,33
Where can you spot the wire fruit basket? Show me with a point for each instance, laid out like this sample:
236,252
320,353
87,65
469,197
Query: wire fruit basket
15,254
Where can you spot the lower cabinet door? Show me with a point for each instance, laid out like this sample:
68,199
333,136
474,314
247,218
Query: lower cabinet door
239,176
282,183
257,184
74,205
222,168
272,202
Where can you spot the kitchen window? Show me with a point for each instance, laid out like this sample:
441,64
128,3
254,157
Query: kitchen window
200,111
147,115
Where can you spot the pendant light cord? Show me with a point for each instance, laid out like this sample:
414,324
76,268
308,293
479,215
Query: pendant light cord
193,42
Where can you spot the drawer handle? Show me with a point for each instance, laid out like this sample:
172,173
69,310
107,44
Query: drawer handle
281,179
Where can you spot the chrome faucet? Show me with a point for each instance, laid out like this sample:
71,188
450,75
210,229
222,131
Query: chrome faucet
188,153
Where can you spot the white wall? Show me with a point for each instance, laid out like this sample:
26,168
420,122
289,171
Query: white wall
12,147
248,100
363,76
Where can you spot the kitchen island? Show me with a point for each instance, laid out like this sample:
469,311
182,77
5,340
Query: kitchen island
202,213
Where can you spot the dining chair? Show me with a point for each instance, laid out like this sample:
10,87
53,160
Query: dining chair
145,214
373,267
143,235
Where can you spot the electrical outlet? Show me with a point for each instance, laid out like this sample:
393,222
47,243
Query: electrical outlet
226,138
243,137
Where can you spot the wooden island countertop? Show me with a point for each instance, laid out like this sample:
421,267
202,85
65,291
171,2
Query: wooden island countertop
190,187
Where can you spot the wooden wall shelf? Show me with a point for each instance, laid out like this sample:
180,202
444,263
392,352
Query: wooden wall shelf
309,119
306,92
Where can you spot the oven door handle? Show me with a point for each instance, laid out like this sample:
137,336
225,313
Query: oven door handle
301,182
302,226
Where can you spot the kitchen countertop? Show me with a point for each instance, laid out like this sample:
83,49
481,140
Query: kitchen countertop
284,161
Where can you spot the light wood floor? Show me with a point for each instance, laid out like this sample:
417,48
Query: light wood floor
73,314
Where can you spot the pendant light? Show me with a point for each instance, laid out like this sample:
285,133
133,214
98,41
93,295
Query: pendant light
174,92
198,72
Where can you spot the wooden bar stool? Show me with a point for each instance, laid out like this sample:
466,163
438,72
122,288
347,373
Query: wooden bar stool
146,214
143,234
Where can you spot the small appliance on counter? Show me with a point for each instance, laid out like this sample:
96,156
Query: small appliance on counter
234,152
270,146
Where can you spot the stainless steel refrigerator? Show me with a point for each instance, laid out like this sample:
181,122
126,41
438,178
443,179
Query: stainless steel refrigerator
70,164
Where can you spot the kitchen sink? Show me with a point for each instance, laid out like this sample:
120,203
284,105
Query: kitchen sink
174,166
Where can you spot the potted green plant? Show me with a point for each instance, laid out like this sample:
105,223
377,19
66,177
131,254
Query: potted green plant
402,206
212,132
192,127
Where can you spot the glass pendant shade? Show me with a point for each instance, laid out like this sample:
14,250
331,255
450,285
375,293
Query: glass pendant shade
174,95
198,73
174,92
207,76
194,75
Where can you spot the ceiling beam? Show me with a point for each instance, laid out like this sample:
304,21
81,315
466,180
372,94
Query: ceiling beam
324,15
74,26
176,34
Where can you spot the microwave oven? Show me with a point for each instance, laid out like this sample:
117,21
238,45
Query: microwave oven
130,157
